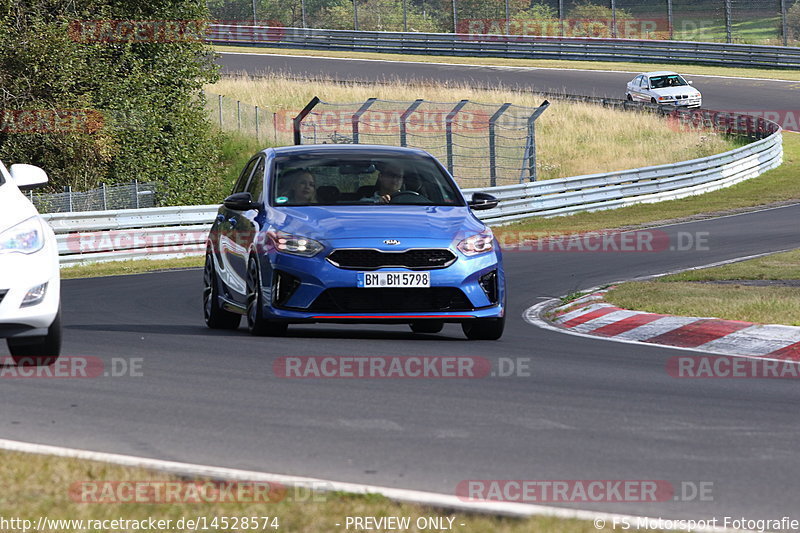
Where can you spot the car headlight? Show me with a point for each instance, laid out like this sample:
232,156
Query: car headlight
26,237
295,244
479,243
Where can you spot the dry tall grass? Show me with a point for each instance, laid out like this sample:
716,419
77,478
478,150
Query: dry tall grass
572,138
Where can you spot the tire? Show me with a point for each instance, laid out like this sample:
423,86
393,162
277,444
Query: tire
427,326
653,101
216,317
630,98
256,323
38,351
484,329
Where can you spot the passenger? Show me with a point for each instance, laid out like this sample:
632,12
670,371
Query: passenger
299,186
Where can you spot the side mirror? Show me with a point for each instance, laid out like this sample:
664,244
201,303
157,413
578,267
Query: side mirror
482,200
240,201
27,176
690,82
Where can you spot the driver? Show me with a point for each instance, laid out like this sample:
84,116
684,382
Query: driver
390,182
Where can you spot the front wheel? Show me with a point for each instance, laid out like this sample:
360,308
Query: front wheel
216,317
484,329
38,351
630,98
256,323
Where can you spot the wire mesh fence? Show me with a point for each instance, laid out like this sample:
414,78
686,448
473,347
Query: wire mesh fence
480,144
262,124
134,195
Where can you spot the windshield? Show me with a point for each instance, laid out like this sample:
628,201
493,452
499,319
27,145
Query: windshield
671,80
360,180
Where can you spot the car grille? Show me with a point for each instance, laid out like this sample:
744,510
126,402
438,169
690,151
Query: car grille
370,259
355,300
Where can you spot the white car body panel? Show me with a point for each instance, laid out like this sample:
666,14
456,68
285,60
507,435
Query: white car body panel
20,272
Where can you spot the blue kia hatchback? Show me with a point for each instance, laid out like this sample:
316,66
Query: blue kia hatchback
352,234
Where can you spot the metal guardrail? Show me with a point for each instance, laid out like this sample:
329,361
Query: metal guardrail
525,47
169,232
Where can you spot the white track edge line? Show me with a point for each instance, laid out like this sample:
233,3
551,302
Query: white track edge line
519,510
509,67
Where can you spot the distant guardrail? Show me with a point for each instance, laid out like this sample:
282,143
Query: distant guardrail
170,232
511,46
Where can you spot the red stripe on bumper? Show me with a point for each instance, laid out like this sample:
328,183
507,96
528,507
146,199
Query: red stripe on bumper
697,333
626,324
578,320
392,316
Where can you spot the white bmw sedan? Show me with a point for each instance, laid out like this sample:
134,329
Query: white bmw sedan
30,318
664,87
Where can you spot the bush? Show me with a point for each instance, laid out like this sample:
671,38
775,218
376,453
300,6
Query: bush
149,95
793,20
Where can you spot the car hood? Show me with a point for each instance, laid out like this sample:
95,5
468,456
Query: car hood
14,207
333,223
674,91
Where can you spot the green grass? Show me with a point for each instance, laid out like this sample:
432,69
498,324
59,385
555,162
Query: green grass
765,30
119,268
680,294
39,485
778,185
784,265
762,305
236,150
778,74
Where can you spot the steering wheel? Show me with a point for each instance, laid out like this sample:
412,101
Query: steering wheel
401,194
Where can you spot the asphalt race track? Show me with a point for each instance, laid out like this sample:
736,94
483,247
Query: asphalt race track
590,409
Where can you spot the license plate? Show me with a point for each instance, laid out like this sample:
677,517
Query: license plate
384,280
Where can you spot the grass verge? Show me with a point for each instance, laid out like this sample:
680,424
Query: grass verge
775,74
38,486
694,293
119,268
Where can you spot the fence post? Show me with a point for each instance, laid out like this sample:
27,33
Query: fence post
448,132
105,199
784,24
613,19
68,190
531,141
275,127
404,117
492,148
728,22
357,117
136,191
669,20
219,101
297,121
238,115
257,123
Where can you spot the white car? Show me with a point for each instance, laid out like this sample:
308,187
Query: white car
30,281
663,87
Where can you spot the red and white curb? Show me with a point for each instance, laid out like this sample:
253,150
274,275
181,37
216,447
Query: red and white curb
592,316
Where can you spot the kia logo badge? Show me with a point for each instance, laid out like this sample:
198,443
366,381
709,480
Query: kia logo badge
391,242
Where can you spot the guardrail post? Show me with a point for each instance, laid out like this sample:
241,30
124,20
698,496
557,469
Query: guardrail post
404,117
299,118
357,117
531,141
492,147
448,131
